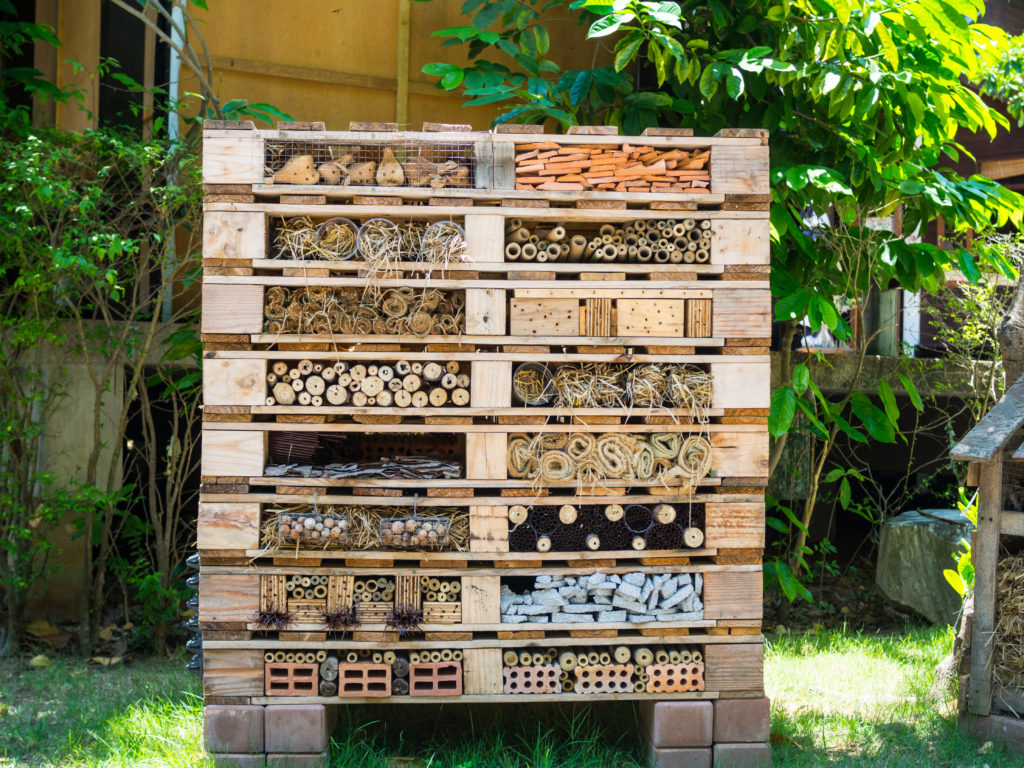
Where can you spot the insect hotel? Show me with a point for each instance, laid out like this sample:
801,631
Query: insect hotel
485,421
992,673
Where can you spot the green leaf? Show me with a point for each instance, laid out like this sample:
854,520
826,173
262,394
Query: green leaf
580,87
778,525
888,46
540,35
955,581
845,493
734,83
912,393
450,74
708,82
783,410
626,49
873,419
604,26
801,378
888,399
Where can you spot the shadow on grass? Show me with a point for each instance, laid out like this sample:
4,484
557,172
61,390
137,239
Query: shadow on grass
499,736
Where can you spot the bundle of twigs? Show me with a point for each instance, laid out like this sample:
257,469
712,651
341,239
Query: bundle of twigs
301,238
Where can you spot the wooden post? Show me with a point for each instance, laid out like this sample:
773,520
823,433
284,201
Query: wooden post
985,554
402,63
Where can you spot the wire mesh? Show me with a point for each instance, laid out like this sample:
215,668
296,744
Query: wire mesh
1013,485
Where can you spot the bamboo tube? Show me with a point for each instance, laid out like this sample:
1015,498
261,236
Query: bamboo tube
279,656
517,514
593,658
528,252
577,247
605,658
289,658
621,654
643,656
446,654
457,655
556,234
378,658
456,586
661,656
268,657
674,657
567,686
644,253
306,581
513,224
609,252
638,543
271,378
639,686
542,254
701,256
319,591
661,256
606,229
593,542
520,236
513,251
685,657
358,586
676,256
538,659
554,252
414,657
567,661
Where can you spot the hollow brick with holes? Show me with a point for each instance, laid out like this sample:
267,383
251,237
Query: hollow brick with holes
604,678
675,678
364,679
436,678
291,679
534,679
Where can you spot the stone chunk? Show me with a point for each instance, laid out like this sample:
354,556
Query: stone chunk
612,616
636,579
571,618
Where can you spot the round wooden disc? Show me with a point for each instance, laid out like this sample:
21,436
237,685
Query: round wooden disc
432,371
567,514
371,386
517,514
403,399
693,537
420,399
385,398
411,382
357,372
639,543
452,366
298,385
283,393
385,372
593,542
395,385
543,544
614,512
416,368
438,397
449,380
305,398
305,367
328,374
359,399
337,394
280,368
665,513
460,396
316,401
402,367
315,385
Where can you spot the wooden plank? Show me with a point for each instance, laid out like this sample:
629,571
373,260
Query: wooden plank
486,456
734,667
232,157
992,434
544,317
490,384
228,526
741,384
650,317
233,672
485,311
233,453
733,595
1003,168
228,598
739,454
985,556
485,237
232,308
1011,523
481,671
616,292
734,525
234,235
481,601
742,313
488,528
744,241
739,170
234,381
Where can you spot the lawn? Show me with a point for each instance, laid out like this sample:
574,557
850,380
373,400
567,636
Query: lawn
838,699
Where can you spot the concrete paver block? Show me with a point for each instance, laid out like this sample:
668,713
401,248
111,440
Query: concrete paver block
233,729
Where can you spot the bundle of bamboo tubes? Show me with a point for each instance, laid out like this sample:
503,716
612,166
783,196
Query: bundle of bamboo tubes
440,590
546,165
664,241
401,384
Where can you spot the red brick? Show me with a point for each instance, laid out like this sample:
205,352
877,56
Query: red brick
289,760
298,727
675,678
233,729
533,679
291,679
689,757
239,761
435,678
604,678
742,756
673,724
742,720
364,679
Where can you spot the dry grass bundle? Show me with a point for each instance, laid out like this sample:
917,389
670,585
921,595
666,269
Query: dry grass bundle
443,242
591,460
609,385
365,524
324,311
1008,651
589,385
532,384
303,239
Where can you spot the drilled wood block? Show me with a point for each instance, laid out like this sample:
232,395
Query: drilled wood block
374,613
604,678
442,613
538,679
364,679
675,678
307,611
435,678
290,679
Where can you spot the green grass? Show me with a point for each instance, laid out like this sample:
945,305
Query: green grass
839,699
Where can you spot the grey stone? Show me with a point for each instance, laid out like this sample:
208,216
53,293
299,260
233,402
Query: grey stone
636,579
652,600
594,579
646,591
640,618
572,593
698,583
513,619
547,596
678,597
669,587
585,608
629,590
691,616
630,605
534,610
603,586
571,618
544,578
570,581
510,610
913,551
539,619
615,578
601,599
612,616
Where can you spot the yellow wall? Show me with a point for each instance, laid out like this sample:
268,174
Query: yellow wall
334,62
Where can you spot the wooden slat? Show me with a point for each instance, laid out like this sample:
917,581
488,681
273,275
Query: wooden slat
737,170
232,308
486,457
232,157
544,317
481,602
740,242
485,237
741,384
733,595
481,671
740,454
488,529
233,453
228,526
992,434
650,317
485,311
228,598
742,313
734,667
734,525
985,556
234,381
232,672
491,384
234,235
1011,523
